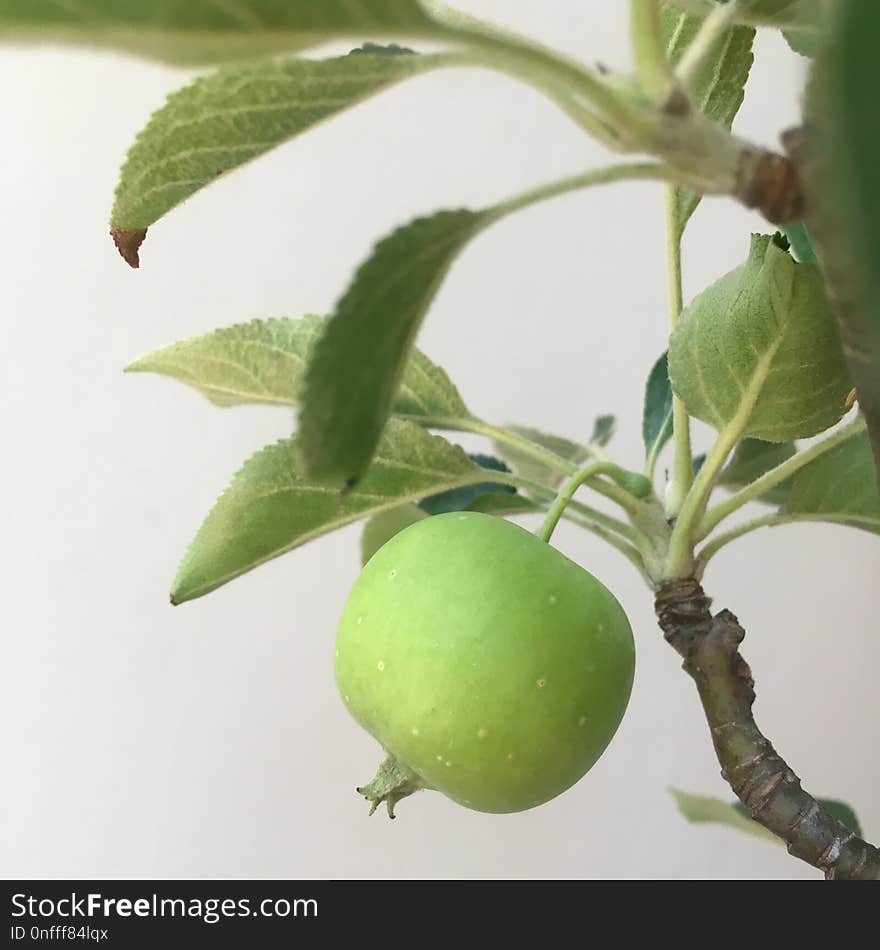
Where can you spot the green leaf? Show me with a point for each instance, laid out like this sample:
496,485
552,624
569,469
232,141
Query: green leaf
188,32
770,9
843,813
808,26
839,486
368,340
754,458
702,809
535,470
778,13
845,188
657,413
382,527
223,120
719,87
801,245
603,430
271,507
760,351
458,499
264,362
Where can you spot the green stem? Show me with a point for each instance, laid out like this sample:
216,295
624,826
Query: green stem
776,476
683,463
628,502
716,24
625,548
607,174
681,544
653,67
682,540
708,551
598,518
471,424
538,65
557,463
566,493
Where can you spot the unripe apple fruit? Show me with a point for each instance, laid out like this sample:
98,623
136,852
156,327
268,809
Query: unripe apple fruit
488,665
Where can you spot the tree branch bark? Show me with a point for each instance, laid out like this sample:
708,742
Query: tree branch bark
758,775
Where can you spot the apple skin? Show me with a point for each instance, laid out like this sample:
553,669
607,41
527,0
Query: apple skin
484,660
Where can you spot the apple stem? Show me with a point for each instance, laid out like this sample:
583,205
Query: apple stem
637,486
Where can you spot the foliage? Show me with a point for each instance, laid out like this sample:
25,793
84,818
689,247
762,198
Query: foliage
779,349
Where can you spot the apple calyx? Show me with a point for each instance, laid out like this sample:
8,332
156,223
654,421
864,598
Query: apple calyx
392,782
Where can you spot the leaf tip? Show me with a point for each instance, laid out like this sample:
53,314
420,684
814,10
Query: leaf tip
128,242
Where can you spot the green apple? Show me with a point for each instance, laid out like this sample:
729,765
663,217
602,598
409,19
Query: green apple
488,665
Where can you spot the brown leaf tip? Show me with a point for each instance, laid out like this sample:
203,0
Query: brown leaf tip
128,242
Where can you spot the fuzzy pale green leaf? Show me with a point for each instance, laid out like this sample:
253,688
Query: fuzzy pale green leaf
703,809
356,367
188,32
843,178
806,25
759,350
271,506
657,411
717,89
264,362
752,459
225,119
839,486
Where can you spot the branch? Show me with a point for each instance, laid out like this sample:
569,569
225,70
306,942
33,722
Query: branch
758,775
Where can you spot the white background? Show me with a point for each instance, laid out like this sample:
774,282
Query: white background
208,740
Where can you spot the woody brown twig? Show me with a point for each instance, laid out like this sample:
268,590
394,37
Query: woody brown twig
758,775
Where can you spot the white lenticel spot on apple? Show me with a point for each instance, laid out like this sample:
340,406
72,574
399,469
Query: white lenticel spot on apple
482,733
380,666
541,683
392,572
582,721
552,599
509,756
414,730
439,758
360,620
448,763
